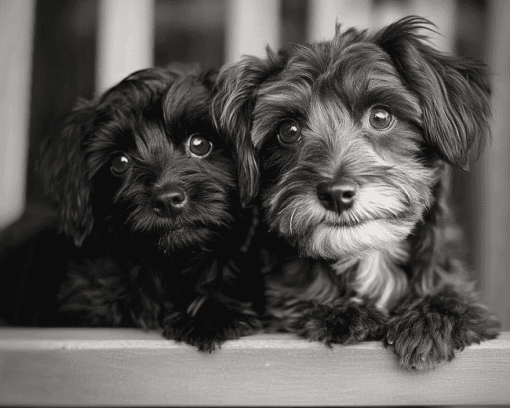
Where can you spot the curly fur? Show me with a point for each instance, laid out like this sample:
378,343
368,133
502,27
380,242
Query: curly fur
125,254
386,266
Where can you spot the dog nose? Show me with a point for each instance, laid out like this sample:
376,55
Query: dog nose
169,201
337,195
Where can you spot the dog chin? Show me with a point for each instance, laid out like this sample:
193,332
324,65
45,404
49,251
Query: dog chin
333,242
188,238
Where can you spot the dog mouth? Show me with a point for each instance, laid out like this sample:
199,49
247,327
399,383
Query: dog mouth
188,238
182,228
347,224
170,228
344,225
343,222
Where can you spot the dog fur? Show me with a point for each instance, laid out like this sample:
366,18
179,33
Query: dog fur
150,230
349,142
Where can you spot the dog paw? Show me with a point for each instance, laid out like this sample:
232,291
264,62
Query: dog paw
342,323
210,327
421,342
431,331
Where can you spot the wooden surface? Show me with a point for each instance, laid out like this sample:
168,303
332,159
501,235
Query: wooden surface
131,367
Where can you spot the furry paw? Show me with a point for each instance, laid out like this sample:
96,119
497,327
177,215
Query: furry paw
430,331
210,326
344,323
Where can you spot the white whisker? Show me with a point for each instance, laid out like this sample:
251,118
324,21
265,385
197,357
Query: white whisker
291,218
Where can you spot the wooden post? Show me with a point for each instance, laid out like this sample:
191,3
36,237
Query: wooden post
16,35
324,14
251,26
443,14
125,39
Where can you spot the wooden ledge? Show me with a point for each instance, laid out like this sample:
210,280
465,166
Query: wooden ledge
132,367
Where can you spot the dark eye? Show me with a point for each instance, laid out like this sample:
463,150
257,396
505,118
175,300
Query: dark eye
380,118
199,146
120,165
289,133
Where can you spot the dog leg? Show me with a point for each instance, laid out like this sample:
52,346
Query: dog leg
430,330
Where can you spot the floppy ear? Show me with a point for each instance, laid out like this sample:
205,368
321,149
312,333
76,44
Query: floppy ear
235,97
454,93
65,174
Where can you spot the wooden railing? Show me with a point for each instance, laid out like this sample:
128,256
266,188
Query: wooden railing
130,367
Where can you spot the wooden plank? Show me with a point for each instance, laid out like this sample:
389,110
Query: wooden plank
250,27
16,32
131,367
125,39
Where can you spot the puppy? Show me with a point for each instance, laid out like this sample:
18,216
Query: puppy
350,143
152,232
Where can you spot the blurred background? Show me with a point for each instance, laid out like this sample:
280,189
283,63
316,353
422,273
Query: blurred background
54,51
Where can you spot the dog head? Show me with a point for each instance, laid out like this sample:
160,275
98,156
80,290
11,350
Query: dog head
347,139
143,162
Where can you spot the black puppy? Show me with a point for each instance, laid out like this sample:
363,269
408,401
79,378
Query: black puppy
152,232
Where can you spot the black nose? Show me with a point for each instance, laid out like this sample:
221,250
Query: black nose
169,201
337,195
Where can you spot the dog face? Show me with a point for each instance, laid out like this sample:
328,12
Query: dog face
144,163
352,135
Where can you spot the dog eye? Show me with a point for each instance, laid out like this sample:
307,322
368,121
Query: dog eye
289,133
199,146
380,118
120,165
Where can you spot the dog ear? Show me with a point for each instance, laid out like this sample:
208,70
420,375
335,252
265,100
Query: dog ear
454,93
235,97
65,175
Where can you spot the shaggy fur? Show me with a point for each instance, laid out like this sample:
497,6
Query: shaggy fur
349,142
153,234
